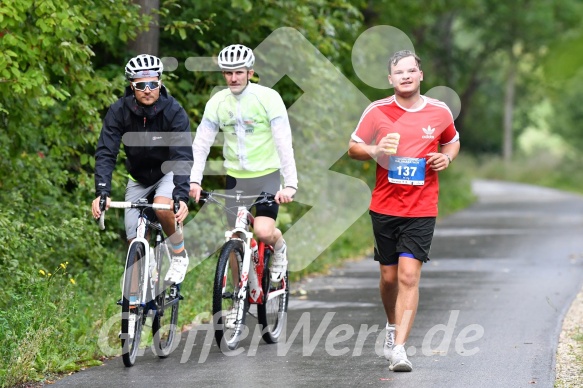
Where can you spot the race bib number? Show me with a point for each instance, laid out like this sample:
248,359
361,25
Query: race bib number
407,171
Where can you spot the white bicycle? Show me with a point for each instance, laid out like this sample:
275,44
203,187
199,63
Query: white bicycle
242,278
144,291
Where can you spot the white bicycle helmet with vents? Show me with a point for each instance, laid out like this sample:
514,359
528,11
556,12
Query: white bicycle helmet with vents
144,65
236,56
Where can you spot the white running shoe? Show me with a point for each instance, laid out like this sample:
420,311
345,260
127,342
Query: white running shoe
389,342
178,267
279,264
399,361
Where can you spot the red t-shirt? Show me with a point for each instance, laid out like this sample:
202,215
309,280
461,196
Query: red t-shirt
421,130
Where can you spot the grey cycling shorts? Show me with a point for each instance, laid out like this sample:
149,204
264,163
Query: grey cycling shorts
135,190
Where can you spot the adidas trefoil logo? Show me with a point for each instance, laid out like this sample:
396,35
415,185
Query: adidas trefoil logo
428,132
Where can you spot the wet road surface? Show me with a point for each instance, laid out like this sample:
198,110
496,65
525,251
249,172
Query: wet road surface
502,276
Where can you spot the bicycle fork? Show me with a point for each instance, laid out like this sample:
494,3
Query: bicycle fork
140,239
249,282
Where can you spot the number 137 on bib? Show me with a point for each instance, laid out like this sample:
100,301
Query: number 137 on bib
407,171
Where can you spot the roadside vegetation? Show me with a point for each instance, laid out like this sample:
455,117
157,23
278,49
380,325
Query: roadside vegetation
553,171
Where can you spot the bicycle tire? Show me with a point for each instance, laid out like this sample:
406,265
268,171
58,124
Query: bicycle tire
272,313
225,291
167,299
130,346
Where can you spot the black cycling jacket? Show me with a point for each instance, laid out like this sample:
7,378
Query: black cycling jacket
152,135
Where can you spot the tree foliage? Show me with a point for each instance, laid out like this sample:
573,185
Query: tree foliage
51,100
470,46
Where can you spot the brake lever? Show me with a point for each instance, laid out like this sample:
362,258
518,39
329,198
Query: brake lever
176,209
204,196
102,204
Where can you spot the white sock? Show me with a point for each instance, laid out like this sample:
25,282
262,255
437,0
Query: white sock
279,245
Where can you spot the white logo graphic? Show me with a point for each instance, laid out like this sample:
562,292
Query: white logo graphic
428,132
337,200
156,137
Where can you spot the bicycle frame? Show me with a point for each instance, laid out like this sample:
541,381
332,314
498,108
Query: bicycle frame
246,281
143,290
141,233
243,221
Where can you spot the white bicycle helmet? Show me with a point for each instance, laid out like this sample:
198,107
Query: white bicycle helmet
236,56
144,65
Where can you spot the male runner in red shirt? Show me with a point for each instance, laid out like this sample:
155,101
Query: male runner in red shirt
404,133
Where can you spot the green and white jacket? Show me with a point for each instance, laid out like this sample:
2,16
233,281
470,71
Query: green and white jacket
257,133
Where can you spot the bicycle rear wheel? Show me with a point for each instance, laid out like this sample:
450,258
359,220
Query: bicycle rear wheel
132,310
229,310
272,313
164,323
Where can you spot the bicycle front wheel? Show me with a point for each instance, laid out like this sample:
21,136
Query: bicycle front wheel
132,310
229,309
272,313
165,320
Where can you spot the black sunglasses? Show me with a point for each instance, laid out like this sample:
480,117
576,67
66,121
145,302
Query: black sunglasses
141,86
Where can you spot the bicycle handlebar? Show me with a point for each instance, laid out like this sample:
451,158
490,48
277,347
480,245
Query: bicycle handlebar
127,205
206,196
262,198
137,205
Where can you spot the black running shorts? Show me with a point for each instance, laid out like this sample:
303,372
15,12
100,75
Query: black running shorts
401,236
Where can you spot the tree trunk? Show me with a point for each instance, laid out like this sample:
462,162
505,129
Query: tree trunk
147,41
509,109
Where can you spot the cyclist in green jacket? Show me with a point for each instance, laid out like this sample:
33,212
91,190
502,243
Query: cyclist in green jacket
257,148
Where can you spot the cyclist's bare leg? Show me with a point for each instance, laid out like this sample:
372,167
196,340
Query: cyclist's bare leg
168,221
265,231
389,287
409,273
179,258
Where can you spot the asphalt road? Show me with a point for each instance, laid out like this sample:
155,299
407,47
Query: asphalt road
502,276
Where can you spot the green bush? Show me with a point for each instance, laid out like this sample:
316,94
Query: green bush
36,330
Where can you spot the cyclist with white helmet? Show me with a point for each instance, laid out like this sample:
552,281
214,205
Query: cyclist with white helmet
257,147
156,134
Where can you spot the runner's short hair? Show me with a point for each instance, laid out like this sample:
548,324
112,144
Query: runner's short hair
396,57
